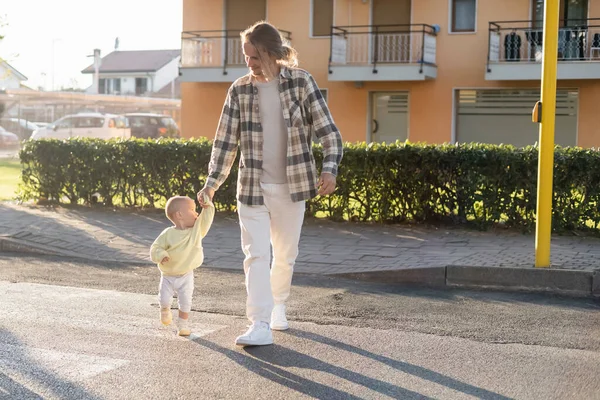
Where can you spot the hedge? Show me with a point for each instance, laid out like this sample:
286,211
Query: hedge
474,184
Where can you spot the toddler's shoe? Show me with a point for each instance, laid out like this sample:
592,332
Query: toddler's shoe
166,316
183,327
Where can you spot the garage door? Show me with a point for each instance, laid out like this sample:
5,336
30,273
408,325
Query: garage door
504,116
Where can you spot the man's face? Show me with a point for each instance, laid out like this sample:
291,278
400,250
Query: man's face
252,59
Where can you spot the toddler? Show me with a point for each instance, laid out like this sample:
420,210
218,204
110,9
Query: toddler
177,251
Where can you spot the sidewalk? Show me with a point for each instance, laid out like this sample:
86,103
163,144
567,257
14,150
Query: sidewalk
400,254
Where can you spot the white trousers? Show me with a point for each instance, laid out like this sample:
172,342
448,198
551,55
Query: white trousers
182,285
278,223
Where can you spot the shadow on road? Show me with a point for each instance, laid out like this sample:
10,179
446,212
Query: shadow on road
264,360
15,362
420,372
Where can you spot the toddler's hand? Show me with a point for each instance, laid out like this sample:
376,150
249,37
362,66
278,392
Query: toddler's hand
164,260
205,195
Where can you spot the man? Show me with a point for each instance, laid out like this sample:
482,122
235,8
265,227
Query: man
271,114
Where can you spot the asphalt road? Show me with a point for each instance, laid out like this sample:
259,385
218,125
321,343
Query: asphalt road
74,329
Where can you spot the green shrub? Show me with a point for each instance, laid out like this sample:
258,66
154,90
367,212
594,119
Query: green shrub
474,184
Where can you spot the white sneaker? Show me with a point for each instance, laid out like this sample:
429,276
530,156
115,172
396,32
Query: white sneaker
259,334
278,320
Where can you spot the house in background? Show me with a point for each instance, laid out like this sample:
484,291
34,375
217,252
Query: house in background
138,73
10,78
437,71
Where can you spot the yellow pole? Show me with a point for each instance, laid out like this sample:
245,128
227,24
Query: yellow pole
546,143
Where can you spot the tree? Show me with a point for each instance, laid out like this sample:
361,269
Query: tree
3,23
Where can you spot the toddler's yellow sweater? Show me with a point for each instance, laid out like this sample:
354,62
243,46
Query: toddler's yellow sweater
182,246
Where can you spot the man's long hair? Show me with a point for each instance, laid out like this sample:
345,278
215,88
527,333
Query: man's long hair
268,40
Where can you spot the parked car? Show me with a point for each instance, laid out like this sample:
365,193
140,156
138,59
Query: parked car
8,140
21,127
146,125
86,125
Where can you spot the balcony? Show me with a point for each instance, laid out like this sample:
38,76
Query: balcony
213,56
383,53
515,50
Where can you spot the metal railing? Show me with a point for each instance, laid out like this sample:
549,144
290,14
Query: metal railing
216,48
519,41
383,44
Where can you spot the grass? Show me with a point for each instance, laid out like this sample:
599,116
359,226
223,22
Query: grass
10,169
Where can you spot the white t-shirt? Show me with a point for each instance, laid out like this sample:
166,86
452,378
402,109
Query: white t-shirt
274,133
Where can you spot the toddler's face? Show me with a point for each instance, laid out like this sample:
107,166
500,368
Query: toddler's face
188,214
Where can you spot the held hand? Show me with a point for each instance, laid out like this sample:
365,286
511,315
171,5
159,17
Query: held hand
208,192
164,260
326,184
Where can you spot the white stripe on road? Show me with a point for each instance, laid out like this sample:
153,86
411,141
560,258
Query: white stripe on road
28,309
89,309
71,366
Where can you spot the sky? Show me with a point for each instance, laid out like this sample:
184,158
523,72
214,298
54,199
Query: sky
74,28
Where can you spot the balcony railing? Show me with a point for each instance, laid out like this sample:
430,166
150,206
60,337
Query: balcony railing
217,48
383,44
518,41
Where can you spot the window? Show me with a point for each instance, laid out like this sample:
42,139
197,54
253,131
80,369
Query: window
571,13
64,123
463,15
122,122
141,86
118,122
102,86
139,121
322,17
117,85
88,122
168,122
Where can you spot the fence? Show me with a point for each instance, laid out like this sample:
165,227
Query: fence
20,108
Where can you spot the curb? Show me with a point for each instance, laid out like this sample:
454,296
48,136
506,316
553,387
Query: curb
428,276
548,280
526,279
9,244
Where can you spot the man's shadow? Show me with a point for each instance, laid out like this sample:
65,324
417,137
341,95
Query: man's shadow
402,366
263,360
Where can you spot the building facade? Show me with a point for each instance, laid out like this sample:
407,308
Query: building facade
10,78
434,71
138,73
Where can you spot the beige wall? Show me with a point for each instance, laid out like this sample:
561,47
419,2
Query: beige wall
201,103
461,60
202,15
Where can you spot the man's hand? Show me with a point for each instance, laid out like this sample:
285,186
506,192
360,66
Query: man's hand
209,192
326,184
164,260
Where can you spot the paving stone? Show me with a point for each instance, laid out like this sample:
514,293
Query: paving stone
324,246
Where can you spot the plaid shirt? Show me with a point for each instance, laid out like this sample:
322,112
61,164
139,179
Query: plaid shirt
305,112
